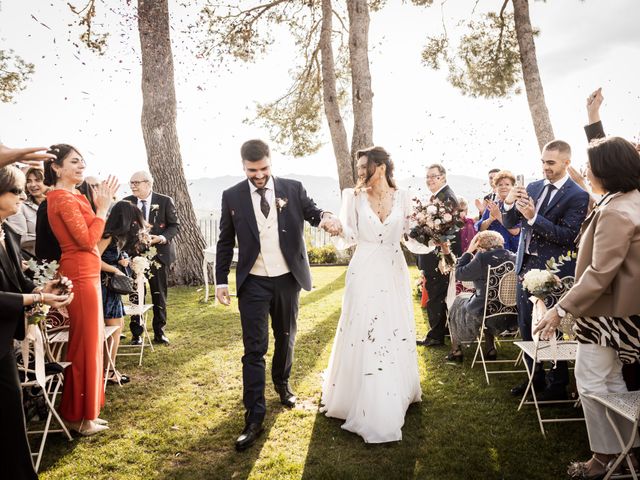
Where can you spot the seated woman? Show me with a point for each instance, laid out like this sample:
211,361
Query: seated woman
491,219
121,233
465,316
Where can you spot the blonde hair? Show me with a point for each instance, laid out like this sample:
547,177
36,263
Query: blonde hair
501,175
489,240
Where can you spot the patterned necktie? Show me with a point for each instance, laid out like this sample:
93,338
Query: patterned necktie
144,209
264,205
547,199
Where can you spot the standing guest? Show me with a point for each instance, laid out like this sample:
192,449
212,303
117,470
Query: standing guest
123,225
160,212
437,282
78,229
550,213
492,217
468,231
24,222
604,299
481,205
16,294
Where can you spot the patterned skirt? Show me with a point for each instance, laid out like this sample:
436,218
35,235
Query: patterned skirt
621,334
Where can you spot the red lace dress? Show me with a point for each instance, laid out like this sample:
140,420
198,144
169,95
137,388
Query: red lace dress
78,230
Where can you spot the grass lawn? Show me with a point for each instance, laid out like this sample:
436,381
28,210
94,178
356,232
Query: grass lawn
180,415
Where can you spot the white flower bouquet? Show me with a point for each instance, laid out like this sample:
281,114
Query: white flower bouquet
540,282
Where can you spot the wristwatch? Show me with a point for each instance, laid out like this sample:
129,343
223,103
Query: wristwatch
561,311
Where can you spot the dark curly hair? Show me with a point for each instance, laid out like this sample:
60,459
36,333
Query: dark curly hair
61,151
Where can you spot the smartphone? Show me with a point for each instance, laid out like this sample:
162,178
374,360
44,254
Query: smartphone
520,180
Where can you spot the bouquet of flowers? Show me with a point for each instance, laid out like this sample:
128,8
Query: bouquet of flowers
540,283
437,221
43,273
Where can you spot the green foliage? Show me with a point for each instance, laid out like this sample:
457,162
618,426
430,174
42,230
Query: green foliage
97,42
245,31
487,60
14,73
323,255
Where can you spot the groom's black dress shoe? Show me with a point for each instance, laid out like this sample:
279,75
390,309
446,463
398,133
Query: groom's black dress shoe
287,397
248,436
161,339
136,340
429,342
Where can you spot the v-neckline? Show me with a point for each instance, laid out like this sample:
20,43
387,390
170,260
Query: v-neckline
393,206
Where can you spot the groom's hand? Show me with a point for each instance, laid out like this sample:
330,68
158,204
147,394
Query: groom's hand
222,294
331,225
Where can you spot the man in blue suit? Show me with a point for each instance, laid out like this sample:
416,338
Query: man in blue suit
550,213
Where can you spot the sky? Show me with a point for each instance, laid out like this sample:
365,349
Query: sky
94,102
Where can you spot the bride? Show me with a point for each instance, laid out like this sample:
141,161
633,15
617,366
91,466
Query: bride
372,376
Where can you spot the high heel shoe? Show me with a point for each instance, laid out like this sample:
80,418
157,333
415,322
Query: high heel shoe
455,356
86,428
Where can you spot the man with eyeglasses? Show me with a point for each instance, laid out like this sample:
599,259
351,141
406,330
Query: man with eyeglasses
437,282
159,212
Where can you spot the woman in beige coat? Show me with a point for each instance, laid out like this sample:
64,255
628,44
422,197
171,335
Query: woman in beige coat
604,299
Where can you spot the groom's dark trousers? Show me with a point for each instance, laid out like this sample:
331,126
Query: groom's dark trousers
259,298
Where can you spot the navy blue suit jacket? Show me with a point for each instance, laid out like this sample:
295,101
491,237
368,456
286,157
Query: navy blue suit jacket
238,219
555,230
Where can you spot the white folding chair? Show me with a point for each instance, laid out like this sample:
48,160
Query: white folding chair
210,257
627,406
499,301
109,342
547,351
142,311
49,383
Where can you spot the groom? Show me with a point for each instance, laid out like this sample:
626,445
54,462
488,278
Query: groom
267,216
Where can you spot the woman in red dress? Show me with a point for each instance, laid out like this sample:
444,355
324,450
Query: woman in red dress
78,229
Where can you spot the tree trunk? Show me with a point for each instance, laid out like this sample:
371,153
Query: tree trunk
360,75
161,136
330,97
531,74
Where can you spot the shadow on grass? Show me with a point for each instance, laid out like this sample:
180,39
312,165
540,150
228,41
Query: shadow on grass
318,294
217,446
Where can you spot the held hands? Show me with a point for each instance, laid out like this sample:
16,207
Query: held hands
331,225
123,262
547,326
104,193
222,294
59,287
57,301
155,239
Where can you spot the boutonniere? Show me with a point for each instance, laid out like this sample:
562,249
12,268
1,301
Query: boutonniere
281,203
155,207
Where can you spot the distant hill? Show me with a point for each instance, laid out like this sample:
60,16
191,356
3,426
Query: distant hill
206,193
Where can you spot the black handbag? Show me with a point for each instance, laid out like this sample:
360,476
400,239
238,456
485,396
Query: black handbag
121,284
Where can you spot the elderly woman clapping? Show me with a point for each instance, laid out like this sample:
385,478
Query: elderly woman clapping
604,299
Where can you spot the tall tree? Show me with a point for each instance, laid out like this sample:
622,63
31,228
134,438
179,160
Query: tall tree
493,56
159,125
531,74
161,136
243,32
346,173
361,93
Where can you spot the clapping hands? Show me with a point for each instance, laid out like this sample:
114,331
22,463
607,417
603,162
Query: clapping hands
331,225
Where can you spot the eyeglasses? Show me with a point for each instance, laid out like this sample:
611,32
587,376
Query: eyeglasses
433,177
135,183
17,191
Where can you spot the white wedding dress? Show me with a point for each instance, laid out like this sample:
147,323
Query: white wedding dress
372,376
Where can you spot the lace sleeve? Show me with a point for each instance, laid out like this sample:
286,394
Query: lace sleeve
349,219
412,245
85,235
